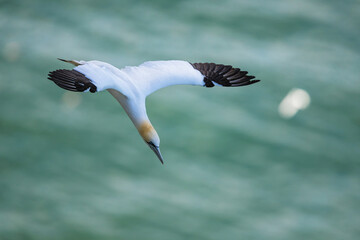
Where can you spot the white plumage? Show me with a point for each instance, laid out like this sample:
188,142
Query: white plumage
144,79
131,85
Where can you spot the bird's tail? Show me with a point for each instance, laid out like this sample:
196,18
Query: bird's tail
72,80
73,62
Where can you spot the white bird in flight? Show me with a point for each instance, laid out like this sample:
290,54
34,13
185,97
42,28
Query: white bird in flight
131,85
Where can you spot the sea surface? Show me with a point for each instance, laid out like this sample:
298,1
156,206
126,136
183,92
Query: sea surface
237,165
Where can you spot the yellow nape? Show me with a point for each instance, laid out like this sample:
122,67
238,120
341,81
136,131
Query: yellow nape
146,131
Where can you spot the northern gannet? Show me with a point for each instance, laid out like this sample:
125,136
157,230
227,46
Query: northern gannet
131,85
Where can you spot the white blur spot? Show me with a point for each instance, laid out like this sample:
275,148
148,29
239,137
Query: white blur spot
11,51
71,100
297,99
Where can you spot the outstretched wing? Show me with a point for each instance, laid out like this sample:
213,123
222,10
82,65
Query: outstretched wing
224,75
150,76
154,75
72,80
93,76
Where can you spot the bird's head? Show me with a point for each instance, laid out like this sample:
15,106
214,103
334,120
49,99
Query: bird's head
151,137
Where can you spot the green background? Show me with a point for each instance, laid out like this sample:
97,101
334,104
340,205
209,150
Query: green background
72,166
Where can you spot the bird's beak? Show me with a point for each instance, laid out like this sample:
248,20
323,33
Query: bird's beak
156,151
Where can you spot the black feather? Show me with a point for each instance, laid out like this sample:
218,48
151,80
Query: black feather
72,80
224,75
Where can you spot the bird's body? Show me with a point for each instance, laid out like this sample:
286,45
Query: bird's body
131,85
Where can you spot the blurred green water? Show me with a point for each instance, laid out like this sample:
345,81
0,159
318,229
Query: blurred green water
73,167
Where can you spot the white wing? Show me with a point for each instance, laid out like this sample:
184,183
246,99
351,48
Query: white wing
95,76
153,75
103,75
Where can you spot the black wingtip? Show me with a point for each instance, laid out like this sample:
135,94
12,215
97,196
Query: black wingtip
224,75
71,80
